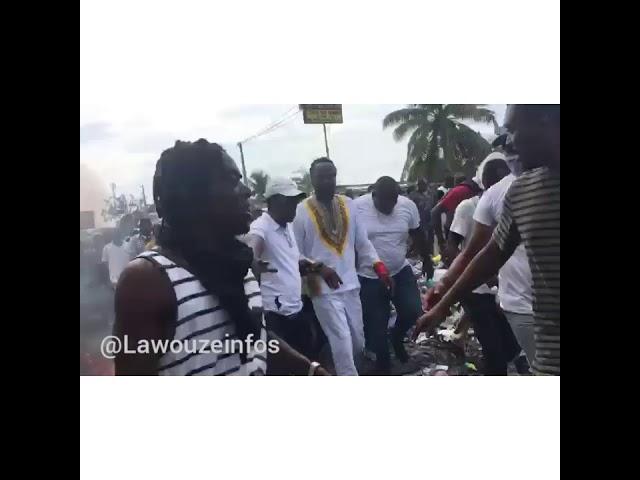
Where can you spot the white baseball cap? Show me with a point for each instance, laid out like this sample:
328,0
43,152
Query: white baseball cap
282,186
480,170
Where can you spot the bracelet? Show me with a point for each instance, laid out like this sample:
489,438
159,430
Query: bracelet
312,369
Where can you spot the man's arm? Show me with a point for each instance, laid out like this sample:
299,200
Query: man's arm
484,266
258,266
364,248
479,238
298,230
145,308
288,361
453,247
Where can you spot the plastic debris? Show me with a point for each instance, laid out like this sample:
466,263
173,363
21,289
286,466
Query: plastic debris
436,370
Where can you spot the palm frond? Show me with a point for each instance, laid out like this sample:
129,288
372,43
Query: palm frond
406,115
412,146
417,146
432,161
452,159
403,129
472,146
259,181
477,113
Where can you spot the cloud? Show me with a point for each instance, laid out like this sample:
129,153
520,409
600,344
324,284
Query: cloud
95,131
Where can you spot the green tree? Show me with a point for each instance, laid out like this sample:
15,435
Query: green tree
439,142
258,180
303,180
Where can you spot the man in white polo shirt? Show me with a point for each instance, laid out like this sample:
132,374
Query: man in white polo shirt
390,219
278,264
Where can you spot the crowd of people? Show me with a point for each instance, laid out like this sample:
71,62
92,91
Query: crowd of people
329,270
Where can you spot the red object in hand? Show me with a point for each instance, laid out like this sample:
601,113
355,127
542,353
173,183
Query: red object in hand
383,273
380,269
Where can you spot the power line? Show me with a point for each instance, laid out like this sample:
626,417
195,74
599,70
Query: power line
286,118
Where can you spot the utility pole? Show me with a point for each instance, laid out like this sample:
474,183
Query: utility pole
244,170
326,144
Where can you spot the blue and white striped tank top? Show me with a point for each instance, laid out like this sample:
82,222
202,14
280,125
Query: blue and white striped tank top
201,321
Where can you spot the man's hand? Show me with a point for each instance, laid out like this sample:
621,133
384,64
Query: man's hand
305,266
385,277
429,322
259,267
435,294
331,277
321,372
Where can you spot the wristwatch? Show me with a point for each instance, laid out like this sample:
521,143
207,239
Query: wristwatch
312,368
317,267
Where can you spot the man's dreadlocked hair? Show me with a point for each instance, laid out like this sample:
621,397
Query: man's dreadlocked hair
181,192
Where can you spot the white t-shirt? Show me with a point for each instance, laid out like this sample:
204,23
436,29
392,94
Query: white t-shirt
281,291
116,257
313,247
514,288
389,234
462,224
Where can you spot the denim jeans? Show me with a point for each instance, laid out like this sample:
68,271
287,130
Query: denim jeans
376,309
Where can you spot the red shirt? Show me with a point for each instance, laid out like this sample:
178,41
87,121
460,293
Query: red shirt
454,196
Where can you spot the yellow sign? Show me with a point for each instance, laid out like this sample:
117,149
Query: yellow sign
322,113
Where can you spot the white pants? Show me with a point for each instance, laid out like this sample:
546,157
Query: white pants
340,316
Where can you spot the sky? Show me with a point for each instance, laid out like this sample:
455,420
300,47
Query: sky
123,148
155,72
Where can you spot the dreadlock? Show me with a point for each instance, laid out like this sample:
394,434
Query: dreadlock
181,192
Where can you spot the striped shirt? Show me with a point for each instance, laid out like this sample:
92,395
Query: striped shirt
531,215
202,320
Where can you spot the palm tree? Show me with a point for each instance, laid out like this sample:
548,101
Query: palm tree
259,179
440,143
303,180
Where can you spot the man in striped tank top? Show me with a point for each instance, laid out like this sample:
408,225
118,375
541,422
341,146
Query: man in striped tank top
196,286
531,216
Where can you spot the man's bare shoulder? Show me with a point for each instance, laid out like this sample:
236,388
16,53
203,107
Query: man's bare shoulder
142,280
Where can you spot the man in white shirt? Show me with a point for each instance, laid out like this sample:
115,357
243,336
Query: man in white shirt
328,230
279,265
499,345
115,257
390,220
